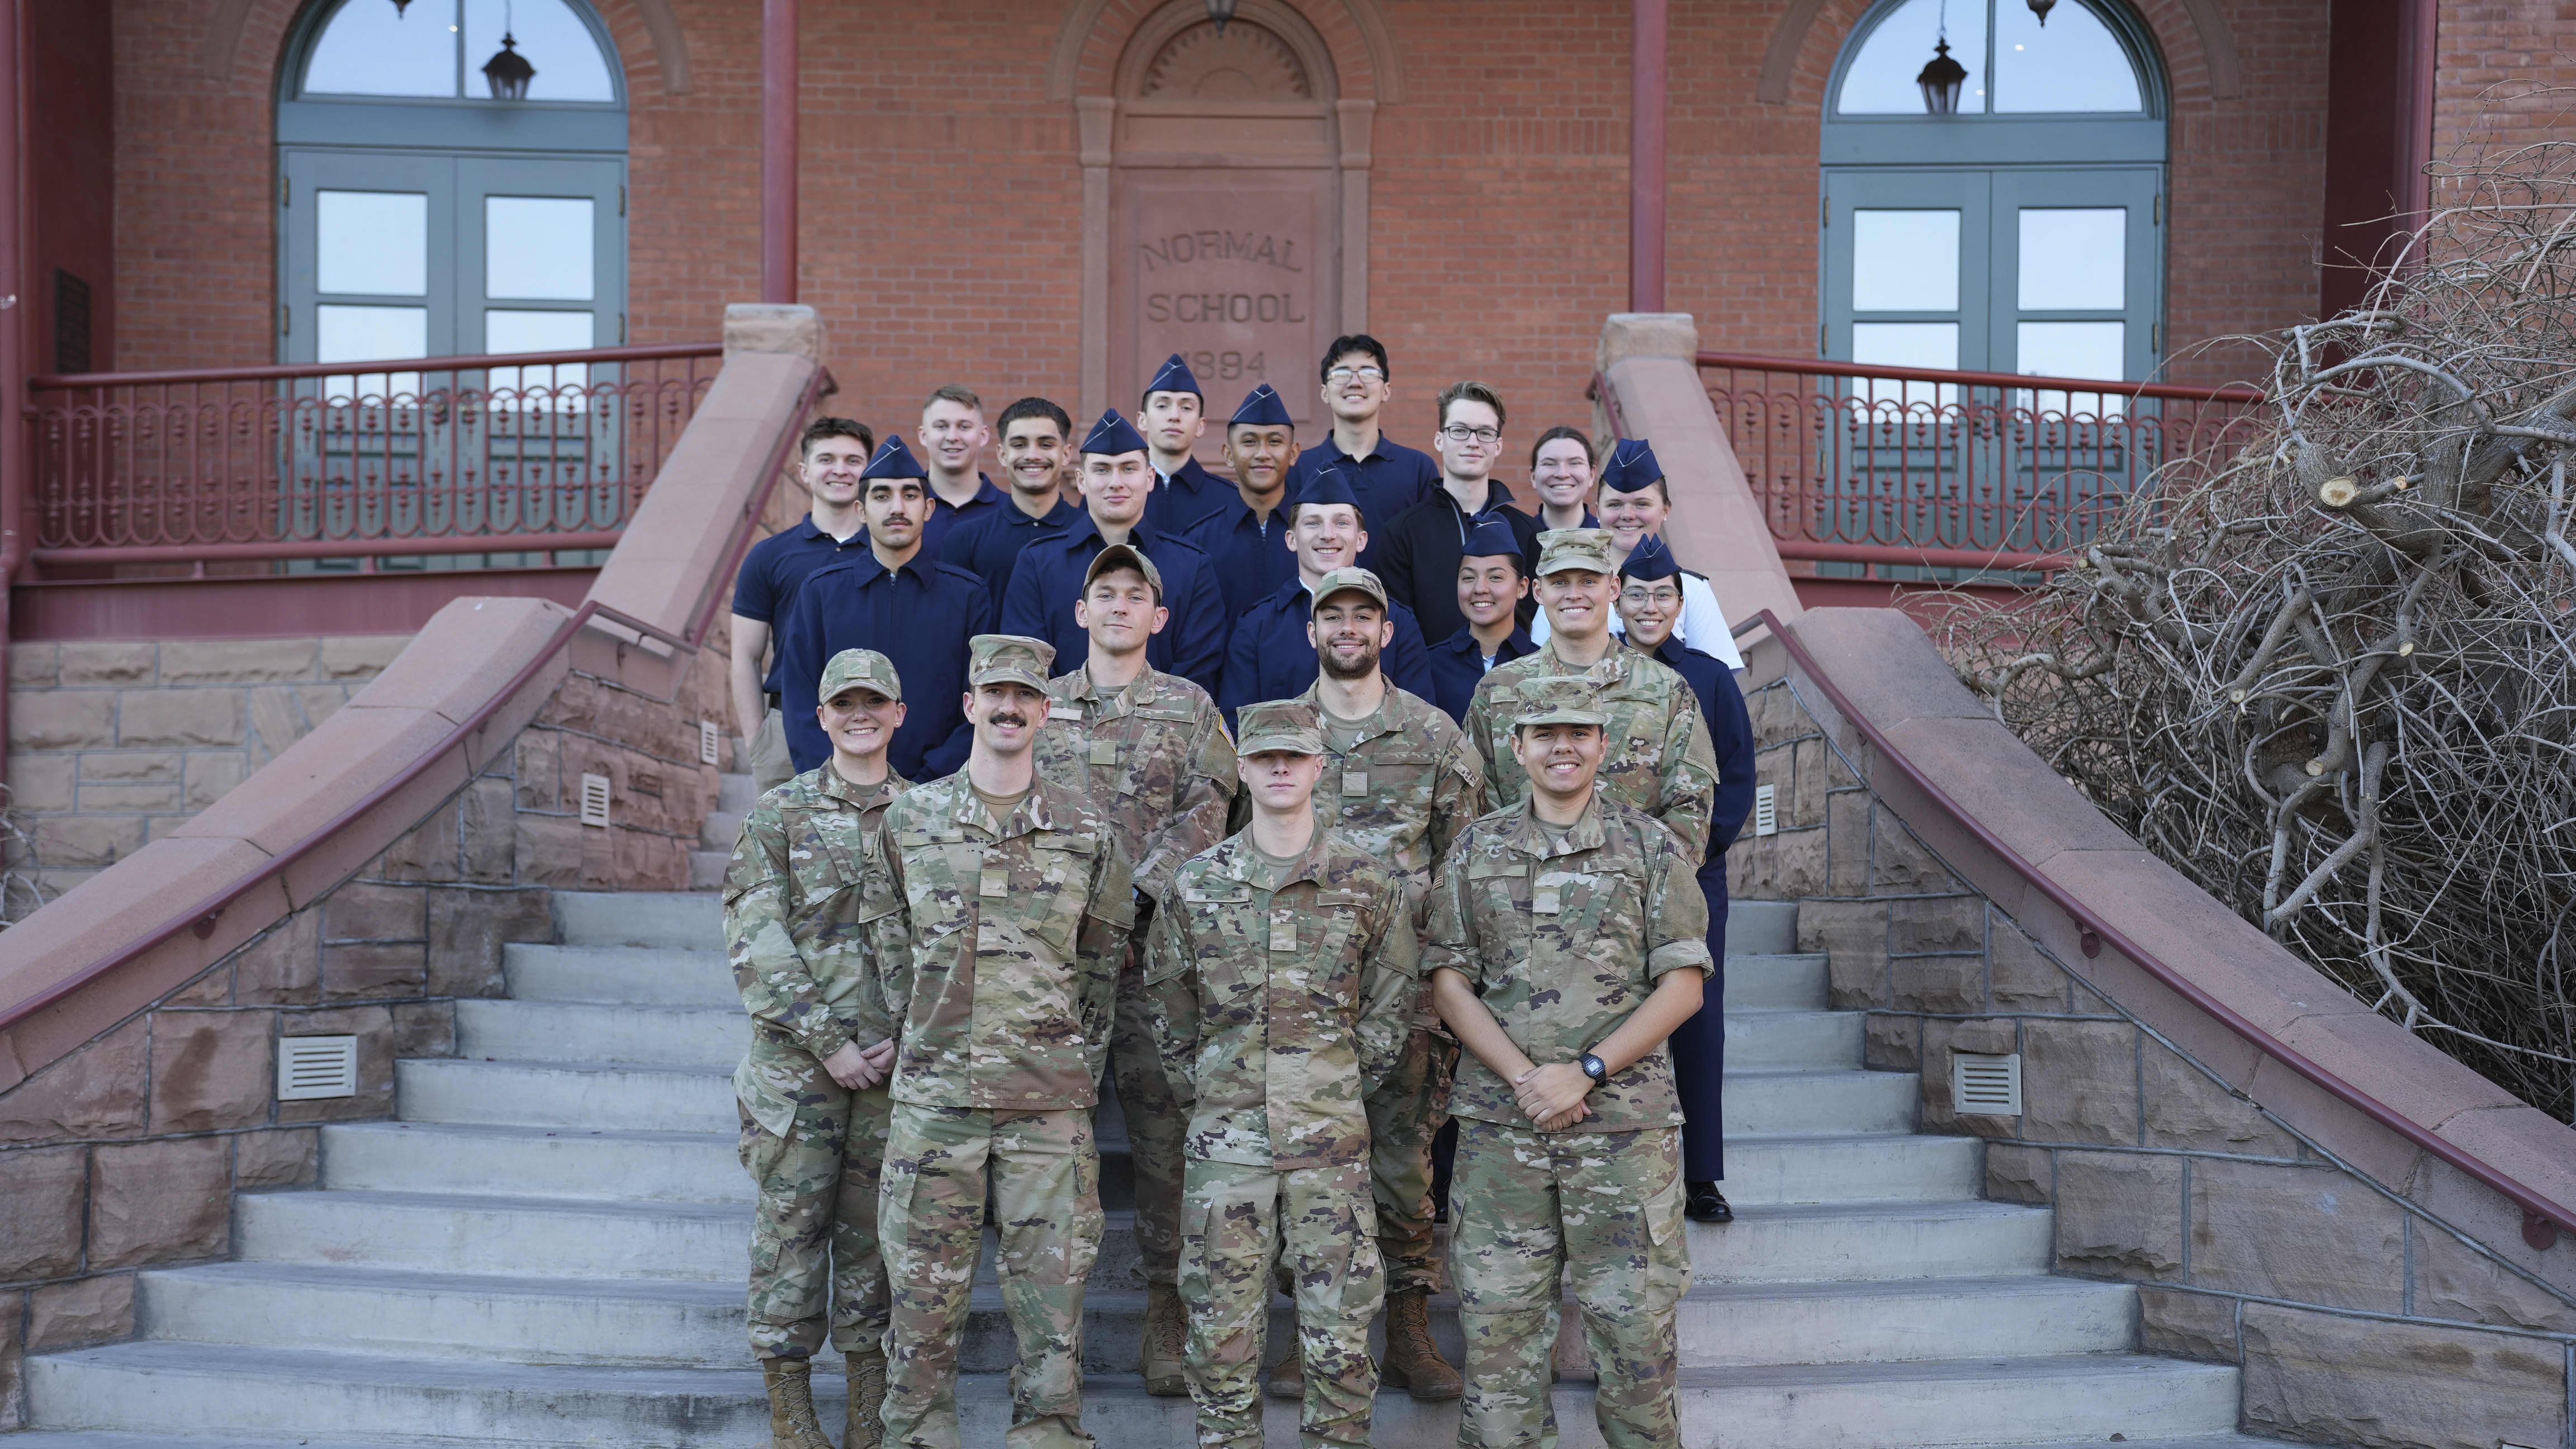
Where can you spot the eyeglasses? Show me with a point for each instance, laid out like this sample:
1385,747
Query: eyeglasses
1460,432
1364,374
1641,598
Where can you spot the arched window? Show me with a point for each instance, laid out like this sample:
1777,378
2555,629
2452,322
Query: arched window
2011,220
423,208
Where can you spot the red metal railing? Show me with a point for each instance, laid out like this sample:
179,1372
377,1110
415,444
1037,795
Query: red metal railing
493,453
1859,463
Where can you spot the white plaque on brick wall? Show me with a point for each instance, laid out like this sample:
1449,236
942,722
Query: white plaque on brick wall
310,1067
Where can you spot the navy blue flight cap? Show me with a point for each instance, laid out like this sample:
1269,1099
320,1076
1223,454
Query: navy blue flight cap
1632,466
893,460
1261,409
1175,377
1328,486
1491,536
1113,435
1650,562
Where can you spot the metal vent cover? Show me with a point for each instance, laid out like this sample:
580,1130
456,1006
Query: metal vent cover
710,743
594,800
310,1067
1766,809
1985,1086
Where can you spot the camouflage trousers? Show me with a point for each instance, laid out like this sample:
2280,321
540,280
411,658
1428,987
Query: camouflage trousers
1316,1222
1155,1122
1404,1114
1528,1208
813,1149
1043,1170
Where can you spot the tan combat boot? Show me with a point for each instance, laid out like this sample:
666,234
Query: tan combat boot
791,1404
1288,1376
1413,1361
865,1428
1166,1343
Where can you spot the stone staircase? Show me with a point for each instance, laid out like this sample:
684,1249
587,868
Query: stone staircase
548,1248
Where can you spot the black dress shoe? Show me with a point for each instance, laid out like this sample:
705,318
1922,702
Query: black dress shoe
1707,1204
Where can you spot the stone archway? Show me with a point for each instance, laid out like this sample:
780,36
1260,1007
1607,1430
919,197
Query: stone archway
1226,203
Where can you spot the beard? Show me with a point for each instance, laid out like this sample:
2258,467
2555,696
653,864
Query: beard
1361,666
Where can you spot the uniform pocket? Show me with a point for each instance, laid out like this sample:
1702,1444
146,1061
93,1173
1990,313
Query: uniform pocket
1668,1262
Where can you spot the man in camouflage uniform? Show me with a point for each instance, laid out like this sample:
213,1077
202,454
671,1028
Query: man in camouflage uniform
805,884
1150,750
1567,940
1014,898
1660,758
1286,960
1400,781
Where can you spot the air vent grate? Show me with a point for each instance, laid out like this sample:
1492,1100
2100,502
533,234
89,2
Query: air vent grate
310,1067
1766,809
710,743
1985,1086
594,800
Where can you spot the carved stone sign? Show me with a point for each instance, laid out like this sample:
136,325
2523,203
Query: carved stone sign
1235,277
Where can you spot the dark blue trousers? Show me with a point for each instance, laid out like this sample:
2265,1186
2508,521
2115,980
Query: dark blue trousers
1699,1047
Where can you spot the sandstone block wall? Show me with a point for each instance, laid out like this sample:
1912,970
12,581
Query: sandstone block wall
2358,1315
126,1153
114,742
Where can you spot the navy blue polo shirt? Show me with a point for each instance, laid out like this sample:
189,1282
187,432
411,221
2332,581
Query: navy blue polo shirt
1730,729
1419,556
1458,666
988,542
1388,483
1046,583
773,569
1270,658
945,515
1251,554
920,616
1186,499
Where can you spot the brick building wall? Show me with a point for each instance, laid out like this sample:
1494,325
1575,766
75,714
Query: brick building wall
2506,76
942,194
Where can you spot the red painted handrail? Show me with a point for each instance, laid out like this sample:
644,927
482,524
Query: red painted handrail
467,362
201,917
2539,1213
1825,368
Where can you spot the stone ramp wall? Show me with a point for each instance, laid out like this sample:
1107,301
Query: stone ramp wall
2373,1295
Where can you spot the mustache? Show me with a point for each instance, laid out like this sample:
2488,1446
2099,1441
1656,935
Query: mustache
1007,717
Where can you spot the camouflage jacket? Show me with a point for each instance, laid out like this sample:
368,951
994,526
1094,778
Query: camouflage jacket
1005,938
1563,943
1153,757
1289,1000
1660,756
1405,791
805,883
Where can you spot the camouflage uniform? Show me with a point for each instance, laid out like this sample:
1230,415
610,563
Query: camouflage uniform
804,887
1016,928
1562,940
1660,757
1293,987
1403,792
1154,758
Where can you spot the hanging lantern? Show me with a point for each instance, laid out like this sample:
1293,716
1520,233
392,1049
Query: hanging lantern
399,7
1220,11
2041,8
508,72
1940,79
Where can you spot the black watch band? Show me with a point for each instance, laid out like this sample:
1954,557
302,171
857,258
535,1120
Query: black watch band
1593,1067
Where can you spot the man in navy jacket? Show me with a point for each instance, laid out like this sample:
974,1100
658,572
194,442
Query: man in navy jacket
1270,656
1248,537
1172,418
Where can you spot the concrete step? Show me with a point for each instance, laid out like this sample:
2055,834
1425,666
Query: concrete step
626,975
735,793
1777,982
708,1037
1782,1243
1761,927
1897,1167
721,830
111,1439
1803,1039
639,918
707,869
1816,1103
221,1389
478,1160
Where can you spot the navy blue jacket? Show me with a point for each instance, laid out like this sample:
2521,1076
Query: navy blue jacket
945,515
1419,556
1730,729
1458,666
1251,557
1047,582
773,569
1269,657
920,617
988,542
1388,483
1187,499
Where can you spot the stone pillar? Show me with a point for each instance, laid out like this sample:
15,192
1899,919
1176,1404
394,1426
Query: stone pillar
788,327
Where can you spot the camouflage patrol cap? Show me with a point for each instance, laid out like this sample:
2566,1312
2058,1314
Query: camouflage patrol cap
1560,549
1124,556
1559,699
865,668
1279,725
1008,659
1348,578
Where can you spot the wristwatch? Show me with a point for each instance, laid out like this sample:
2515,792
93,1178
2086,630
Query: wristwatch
1593,1067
